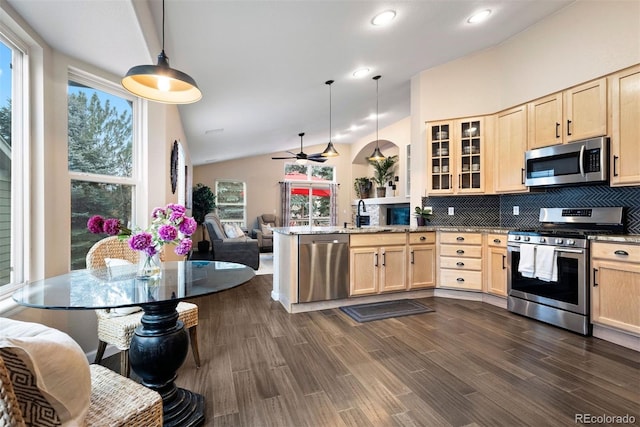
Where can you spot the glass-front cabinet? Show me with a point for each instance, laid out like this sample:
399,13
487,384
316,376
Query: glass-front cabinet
455,150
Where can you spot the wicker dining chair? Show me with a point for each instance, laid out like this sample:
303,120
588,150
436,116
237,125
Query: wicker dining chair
116,401
118,330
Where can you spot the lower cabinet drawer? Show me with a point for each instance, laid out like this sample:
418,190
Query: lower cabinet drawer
461,263
461,279
461,251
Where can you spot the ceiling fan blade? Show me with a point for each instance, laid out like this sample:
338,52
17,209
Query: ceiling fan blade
282,158
315,155
317,159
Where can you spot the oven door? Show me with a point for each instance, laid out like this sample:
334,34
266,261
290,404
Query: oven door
568,293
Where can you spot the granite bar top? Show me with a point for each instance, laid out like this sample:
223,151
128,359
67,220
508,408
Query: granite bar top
385,229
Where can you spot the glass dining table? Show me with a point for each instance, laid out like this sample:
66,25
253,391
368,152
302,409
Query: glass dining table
160,345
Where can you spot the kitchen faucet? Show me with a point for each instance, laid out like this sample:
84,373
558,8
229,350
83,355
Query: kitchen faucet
364,209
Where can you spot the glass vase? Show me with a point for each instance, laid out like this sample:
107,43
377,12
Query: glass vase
149,266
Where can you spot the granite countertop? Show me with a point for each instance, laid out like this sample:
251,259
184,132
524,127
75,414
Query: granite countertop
385,229
617,238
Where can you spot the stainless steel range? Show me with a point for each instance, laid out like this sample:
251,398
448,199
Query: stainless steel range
548,268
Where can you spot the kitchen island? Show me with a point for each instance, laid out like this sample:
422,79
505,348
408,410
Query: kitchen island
375,256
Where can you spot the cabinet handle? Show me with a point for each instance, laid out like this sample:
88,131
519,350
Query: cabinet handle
615,161
459,251
376,262
621,252
460,279
460,239
384,258
459,180
460,264
496,240
503,258
557,130
422,238
595,270
522,175
450,181
413,261
568,127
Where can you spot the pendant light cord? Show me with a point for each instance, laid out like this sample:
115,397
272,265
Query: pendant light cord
376,78
330,111
162,26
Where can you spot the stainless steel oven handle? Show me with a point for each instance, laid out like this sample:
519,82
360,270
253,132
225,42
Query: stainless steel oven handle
570,251
582,160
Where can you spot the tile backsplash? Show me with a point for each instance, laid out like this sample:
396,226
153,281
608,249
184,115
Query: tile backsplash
497,210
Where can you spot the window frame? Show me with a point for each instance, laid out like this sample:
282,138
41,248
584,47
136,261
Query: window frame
134,181
311,184
20,154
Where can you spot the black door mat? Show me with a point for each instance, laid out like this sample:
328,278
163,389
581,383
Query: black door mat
385,310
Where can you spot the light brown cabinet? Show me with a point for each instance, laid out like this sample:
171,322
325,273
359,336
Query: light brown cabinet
509,148
460,261
571,115
625,127
455,151
615,290
422,257
496,264
377,263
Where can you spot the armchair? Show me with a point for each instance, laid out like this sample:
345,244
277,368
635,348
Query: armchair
242,250
264,232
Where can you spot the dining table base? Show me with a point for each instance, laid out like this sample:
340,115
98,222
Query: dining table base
158,349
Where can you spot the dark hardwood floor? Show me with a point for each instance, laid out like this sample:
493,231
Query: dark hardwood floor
466,364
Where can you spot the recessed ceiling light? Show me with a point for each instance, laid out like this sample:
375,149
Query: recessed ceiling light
383,18
479,17
361,72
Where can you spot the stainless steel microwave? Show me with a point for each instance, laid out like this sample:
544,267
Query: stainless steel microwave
579,162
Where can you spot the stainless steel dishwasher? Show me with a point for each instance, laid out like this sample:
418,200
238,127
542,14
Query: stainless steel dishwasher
323,267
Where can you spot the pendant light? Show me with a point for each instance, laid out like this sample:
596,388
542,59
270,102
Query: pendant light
161,83
330,151
377,156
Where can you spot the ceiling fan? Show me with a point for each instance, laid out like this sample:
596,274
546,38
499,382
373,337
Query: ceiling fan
302,157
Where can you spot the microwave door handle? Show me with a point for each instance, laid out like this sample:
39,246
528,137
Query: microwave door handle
582,160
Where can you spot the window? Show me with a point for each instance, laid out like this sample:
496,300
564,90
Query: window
101,158
312,189
231,202
13,145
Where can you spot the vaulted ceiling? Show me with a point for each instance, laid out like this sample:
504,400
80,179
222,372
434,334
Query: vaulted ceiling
262,65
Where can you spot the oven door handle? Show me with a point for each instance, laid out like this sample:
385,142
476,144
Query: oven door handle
569,251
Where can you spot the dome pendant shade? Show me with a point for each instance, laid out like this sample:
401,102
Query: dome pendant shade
330,151
377,155
161,83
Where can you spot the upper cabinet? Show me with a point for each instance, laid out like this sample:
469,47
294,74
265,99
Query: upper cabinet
509,147
571,115
625,127
455,153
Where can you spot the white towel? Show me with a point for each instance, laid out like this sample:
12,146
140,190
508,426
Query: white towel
546,264
526,267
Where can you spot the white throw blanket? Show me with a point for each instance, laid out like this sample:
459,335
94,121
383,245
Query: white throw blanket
546,265
526,267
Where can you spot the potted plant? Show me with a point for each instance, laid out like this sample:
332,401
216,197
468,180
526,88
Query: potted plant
423,215
362,186
384,170
204,201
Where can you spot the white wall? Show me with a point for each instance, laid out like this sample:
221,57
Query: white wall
586,40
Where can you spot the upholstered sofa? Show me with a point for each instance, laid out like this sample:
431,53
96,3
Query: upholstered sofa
242,250
264,233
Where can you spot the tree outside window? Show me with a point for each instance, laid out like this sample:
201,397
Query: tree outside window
101,167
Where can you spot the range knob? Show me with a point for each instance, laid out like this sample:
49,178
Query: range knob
527,238
542,240
516,238
571,242
559,241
